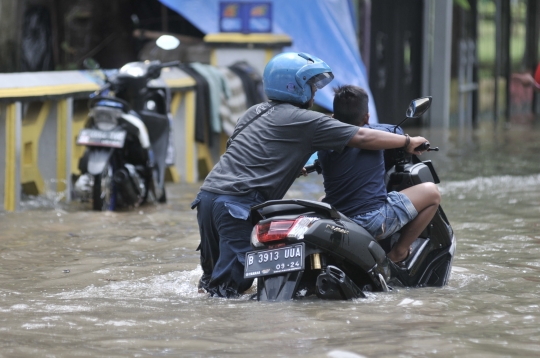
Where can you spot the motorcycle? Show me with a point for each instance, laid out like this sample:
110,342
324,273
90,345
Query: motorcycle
303,247
127,138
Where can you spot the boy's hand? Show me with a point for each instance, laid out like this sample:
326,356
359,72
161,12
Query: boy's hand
416,142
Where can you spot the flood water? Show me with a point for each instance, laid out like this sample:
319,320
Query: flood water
77,283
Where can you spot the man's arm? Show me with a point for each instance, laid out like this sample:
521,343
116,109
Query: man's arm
373,139
526,80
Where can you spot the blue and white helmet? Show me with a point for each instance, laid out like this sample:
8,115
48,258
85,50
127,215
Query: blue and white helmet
288,77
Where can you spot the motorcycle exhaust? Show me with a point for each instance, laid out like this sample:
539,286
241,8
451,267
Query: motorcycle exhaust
125,187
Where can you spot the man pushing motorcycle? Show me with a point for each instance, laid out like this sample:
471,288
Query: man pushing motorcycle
269,147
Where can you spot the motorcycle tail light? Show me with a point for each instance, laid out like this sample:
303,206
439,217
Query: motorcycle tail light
106,118
278,230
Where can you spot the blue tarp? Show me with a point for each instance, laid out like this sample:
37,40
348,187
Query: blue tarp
323,28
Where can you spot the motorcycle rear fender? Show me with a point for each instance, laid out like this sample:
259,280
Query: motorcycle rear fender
280,287
98,157
144,139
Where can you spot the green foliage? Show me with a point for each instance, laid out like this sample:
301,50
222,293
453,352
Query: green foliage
464,4
487,31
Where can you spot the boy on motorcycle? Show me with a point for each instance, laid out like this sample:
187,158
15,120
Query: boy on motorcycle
354,183
270,145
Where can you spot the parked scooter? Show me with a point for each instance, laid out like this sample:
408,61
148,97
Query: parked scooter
127,137
304,247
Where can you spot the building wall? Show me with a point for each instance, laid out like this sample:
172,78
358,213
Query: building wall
45,35
9,35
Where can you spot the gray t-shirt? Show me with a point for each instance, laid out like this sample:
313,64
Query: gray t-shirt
269,154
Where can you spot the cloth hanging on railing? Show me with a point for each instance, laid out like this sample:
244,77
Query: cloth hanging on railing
232,108
252,81
218,88
202,104
223,94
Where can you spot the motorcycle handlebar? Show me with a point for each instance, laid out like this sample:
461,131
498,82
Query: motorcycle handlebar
170,64
315,167
426,147
154,71
106,86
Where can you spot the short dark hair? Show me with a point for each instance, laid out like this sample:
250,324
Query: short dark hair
350,104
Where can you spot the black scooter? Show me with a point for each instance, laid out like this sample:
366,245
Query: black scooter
304,247
127,138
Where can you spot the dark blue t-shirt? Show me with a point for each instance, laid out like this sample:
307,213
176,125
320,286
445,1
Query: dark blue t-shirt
354,178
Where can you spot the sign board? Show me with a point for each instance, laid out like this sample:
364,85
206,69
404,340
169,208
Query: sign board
245,17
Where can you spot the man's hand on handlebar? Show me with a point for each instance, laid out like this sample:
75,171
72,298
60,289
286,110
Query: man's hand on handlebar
315,167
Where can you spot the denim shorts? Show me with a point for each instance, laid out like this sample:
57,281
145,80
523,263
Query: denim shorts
392,216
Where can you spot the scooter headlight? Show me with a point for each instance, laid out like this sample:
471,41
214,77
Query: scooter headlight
106,118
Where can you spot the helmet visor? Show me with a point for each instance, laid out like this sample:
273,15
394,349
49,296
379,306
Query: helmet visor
320,80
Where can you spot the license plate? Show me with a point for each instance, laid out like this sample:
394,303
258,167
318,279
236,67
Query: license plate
274,261
99,138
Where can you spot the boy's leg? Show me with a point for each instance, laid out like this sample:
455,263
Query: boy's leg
426,199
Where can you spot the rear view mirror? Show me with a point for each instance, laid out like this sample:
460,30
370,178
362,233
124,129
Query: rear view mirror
418,107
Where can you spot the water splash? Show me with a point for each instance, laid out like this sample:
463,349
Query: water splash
50,199
173,285
493,185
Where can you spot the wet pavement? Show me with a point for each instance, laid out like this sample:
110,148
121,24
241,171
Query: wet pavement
74,282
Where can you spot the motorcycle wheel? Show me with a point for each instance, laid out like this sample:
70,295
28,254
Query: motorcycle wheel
102,191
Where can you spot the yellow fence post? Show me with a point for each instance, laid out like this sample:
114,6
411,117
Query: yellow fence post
63,147
190,137
32,127
12,186
78,121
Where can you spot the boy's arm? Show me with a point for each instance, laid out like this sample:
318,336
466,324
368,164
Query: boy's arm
372,139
